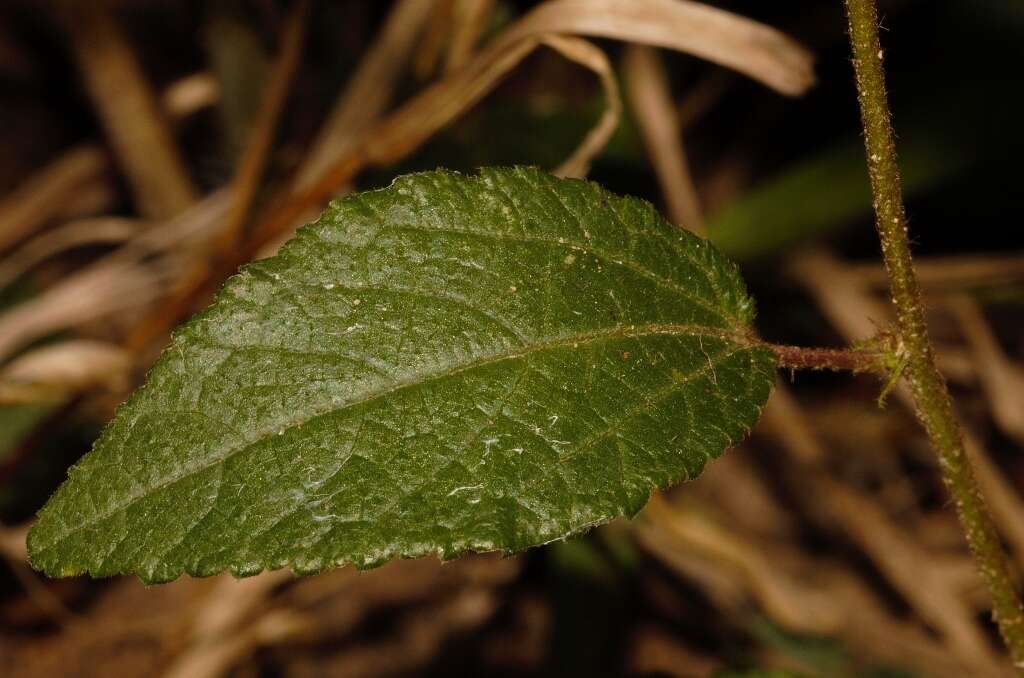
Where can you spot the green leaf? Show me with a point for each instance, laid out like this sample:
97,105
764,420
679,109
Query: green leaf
450,364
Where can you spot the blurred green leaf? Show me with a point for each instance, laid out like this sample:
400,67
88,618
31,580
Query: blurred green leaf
826,192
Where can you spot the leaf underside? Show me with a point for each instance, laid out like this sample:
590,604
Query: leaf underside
449,364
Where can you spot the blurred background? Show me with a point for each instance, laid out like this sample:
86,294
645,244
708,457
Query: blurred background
150,147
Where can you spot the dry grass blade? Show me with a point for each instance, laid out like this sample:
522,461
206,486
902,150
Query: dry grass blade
218,634
56,370
586,54
188,233
785,600
853,612
656,651
407,128
42,197
952,273
849,306
12,542
857,313
1004,501
872,630
221,629
370,90
105,231
736,487
699,101
217,659
251,165
920,576
419,637
132,277
191,93
431,46
131,114
77,184
676,25
470,20
193,229
439,104
724,38
721,37
39,594
651,102
1001,379
84,296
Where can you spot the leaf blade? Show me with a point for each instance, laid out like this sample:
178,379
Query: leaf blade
480,333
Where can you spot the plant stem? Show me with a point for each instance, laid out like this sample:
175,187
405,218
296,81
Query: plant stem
838,360
931,397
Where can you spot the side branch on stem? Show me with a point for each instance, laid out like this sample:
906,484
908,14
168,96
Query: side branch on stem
934,405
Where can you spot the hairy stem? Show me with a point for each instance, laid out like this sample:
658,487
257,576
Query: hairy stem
931,397
835,359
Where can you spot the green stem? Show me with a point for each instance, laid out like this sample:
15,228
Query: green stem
931,397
